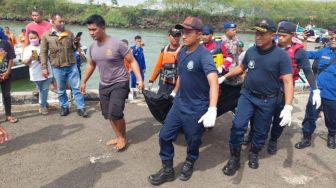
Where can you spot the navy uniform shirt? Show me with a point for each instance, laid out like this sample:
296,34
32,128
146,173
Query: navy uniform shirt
193,93
265,68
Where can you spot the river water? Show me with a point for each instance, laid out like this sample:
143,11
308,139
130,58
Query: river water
154,41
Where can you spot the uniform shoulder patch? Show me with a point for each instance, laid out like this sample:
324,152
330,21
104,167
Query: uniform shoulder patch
190,65
251,64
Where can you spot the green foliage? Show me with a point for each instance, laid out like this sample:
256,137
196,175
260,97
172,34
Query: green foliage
215,12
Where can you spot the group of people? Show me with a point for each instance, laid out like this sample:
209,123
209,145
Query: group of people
192,74
265,74
50,51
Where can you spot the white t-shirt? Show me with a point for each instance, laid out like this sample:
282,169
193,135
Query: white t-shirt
35,70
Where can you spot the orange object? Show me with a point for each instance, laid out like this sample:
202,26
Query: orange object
11,39
127,65
167,56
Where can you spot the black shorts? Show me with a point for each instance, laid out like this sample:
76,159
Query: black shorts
112,100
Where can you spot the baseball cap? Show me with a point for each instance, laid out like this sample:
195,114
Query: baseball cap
174,32
265,25
228,25
207,30
190,23
287,27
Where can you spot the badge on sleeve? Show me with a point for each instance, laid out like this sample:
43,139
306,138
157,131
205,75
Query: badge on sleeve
190,65
251,64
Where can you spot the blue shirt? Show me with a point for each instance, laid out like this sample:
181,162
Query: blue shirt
139,56
326,80
265,68
193,93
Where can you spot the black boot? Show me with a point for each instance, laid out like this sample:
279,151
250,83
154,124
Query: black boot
233,164
272,147
64,111
331,143
187,170
82,112
164,175
305,141
253,157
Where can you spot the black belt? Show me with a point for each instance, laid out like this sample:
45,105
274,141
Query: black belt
262,96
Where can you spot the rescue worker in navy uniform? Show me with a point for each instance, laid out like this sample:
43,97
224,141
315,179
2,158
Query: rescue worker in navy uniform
265,62
194,106
166,65
326,79
299,60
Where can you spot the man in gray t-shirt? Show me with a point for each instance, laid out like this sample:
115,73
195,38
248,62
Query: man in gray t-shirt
109,57
108,54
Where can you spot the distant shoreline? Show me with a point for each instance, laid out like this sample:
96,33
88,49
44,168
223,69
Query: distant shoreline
26,20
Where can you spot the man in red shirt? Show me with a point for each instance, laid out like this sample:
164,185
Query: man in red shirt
38,24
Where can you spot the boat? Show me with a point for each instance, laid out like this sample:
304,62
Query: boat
318,33
21,71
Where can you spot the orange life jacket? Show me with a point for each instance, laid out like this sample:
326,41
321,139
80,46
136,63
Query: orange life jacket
168,71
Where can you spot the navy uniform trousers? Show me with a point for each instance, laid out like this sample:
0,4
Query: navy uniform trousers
261,109
193,132
311,115
276,129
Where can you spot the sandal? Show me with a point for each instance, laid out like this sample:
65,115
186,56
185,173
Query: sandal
12,119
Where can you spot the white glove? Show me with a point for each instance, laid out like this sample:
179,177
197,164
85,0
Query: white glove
221,79
209,118
173,94
150,85
220,69
316,98
286,115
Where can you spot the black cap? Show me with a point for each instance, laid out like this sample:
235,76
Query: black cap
174,32
207,30
287,27
265,25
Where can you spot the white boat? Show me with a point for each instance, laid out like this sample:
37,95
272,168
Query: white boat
21,71
319,33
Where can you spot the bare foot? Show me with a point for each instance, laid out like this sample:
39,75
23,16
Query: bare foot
113,141
121,145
